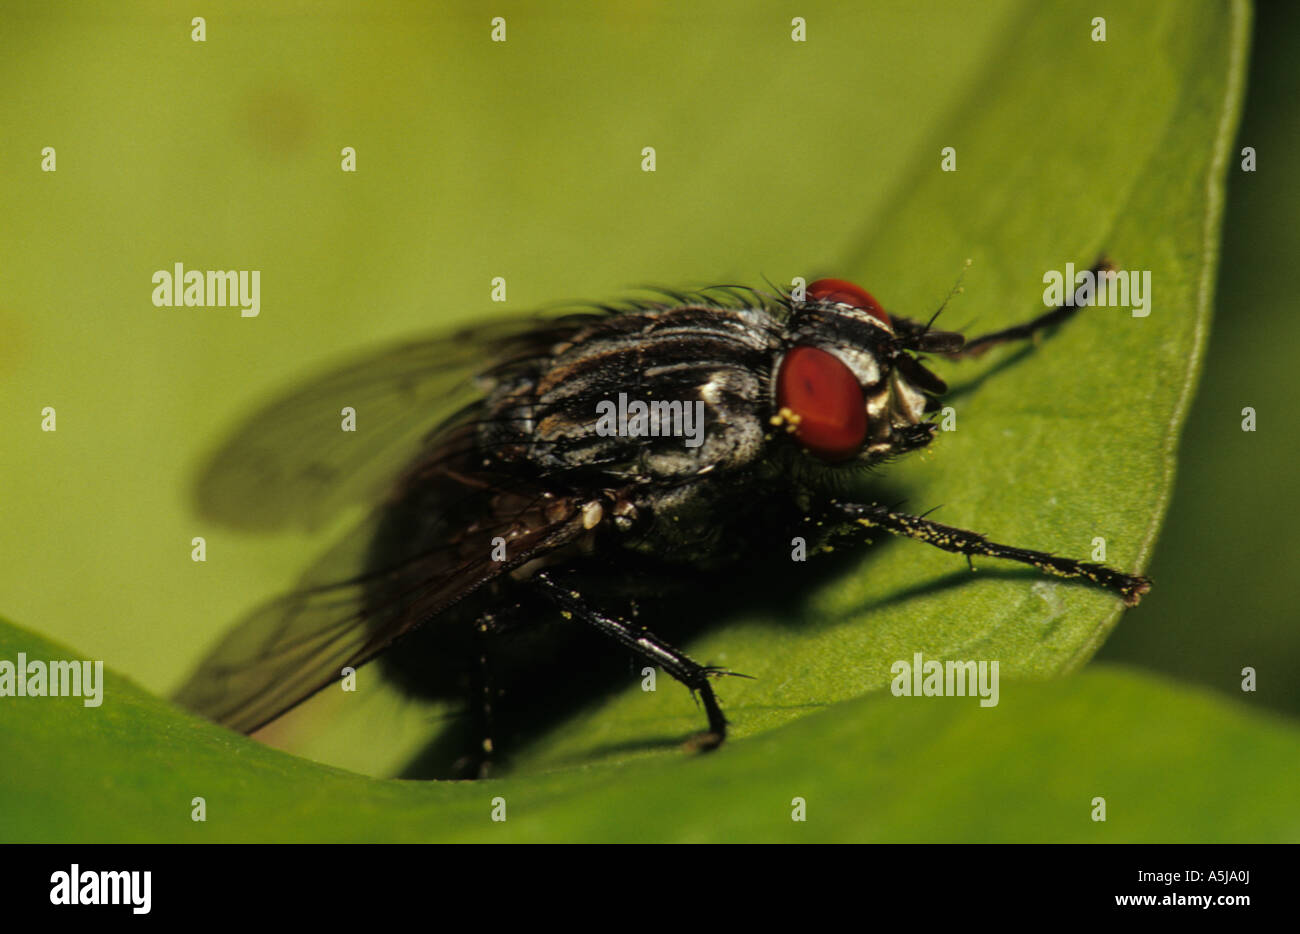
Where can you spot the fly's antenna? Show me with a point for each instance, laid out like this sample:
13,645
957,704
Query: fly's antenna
955,290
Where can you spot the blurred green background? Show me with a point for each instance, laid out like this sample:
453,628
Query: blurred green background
523,161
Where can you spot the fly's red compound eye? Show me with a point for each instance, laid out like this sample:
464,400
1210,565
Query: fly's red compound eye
841,290
824,396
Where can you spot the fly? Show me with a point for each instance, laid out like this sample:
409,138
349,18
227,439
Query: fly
506,501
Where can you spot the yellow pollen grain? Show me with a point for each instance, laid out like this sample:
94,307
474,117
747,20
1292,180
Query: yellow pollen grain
787,417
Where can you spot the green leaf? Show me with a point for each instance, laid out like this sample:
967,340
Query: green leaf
774,158
1171,764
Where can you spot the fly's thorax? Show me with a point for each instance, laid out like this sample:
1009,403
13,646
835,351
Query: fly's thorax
665,395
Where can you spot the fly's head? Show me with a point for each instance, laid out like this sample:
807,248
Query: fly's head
849,386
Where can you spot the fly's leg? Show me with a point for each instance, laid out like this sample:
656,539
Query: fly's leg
648,646
975,346
483,627
960,541
1019,332
480,760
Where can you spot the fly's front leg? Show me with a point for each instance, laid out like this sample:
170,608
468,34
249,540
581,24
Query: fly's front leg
1019,332
648,646
960,541
951,345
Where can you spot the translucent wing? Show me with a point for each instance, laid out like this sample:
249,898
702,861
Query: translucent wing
291,464
428,549
428,543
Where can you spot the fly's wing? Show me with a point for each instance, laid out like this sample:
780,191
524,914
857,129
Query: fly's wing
347,608
290,464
